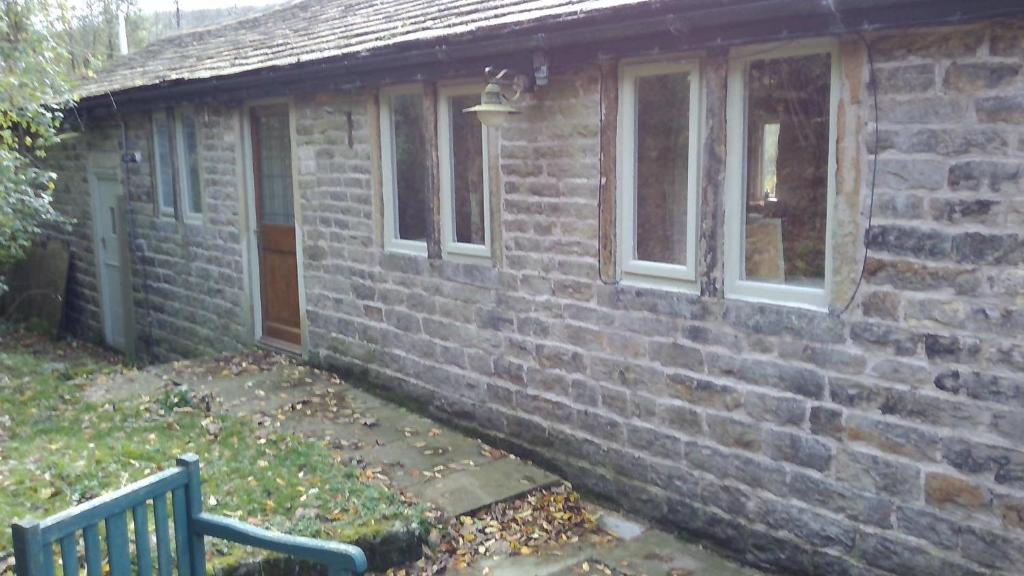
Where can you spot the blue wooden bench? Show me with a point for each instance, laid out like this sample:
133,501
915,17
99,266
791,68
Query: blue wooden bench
34,542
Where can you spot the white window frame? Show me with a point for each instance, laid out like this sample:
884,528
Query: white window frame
449,245
184,181
737,165
169,116
392,242
631,269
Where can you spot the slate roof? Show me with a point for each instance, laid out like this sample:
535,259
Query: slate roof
309,30
317,31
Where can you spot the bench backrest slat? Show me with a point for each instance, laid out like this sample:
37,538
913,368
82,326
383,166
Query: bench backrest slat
69,554
140,519
163,537
118,547
93,551
181,533
56,527
48,569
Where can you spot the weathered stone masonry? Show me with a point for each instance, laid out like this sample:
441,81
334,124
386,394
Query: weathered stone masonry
883,442
189,288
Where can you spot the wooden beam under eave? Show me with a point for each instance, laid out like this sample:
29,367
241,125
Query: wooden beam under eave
376,178
433,174
711,242
607,230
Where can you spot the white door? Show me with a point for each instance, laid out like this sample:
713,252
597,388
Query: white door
106,187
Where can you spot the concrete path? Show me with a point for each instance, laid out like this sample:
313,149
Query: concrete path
424,459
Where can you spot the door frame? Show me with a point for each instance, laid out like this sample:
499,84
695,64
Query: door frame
109,164
249,220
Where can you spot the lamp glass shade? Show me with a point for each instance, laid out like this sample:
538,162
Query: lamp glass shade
490,117
491,110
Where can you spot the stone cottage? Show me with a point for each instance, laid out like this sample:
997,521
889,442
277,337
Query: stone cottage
751,269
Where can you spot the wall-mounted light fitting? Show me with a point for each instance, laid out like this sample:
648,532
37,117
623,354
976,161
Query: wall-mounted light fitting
495,105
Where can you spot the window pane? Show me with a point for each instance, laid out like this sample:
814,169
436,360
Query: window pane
164,162
788,103
275,168
410,166
191,162
662,155
467,171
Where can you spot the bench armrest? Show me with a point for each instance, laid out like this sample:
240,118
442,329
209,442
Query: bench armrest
339,558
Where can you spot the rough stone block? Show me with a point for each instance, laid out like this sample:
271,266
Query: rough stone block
878,475
928,44
682,418
902,556
906,79
950,348
984,248
973,457
881,304
813,527
720,463
913,275
901,341
799,449
924,110
601,426
730,499
654,441
1000,109
676,355
910,241
894,437
975,210
929,526
830,495
951,142
911,174
827,421
979,76
734,433
794,379
944,490
991,548
703,392
783,410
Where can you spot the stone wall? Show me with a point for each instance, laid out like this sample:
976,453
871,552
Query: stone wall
189,289
72,199
885,441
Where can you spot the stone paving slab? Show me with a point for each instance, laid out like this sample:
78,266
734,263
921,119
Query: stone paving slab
410,458
658,553
469,490
654,553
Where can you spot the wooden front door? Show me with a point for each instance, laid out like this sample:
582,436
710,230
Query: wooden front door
275,223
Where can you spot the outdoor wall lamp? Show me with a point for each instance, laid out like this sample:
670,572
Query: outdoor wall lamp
495,106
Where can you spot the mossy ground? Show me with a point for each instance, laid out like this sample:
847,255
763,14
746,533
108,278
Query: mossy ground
57,449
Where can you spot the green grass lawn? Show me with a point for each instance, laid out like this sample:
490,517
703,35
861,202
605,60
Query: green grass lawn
57,450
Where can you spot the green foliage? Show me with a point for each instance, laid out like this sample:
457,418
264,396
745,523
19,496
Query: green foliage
33,93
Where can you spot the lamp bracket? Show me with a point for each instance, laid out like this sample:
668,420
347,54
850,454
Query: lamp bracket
510,81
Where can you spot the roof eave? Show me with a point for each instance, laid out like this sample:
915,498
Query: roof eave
781,19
